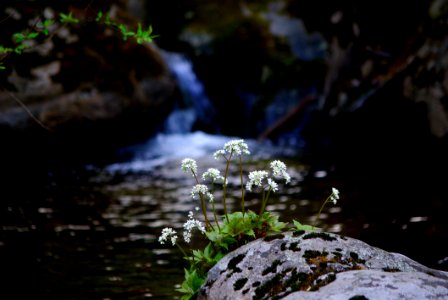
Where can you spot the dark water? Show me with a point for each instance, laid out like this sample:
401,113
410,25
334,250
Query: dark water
92,233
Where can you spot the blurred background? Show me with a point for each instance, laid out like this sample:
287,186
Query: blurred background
350,94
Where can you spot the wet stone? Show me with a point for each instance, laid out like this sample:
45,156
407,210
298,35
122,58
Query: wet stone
325,266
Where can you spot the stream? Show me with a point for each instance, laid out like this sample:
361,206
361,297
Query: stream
91,233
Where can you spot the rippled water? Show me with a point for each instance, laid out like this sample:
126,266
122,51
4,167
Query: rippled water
93,234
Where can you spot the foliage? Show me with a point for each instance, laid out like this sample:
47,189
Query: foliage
231,230
46,27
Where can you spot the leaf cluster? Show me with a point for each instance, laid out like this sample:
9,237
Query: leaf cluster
24,39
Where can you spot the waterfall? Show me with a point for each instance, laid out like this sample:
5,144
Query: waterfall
195,105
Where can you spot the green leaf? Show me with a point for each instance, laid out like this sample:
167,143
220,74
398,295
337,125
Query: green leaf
18,37
68,19
5,50
144,36
191,284
2,66
32,35
300,226
125,32
99,16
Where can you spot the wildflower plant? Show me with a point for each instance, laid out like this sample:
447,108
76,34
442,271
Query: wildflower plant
226,232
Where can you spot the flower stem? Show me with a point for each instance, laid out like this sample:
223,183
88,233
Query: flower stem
320,210
264,201
242,187
224,188
203,207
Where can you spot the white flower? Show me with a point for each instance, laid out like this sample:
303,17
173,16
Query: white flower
237,147
168,234
334,195
255,178
190,225
213,174
279,170
201,189
189,165
218,154
272,185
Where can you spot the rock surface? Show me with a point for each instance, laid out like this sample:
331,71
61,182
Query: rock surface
317,265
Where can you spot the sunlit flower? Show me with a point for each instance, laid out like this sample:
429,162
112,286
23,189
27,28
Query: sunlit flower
190,225
189,165
237,147
201,189
255,178
168,234
213,174
334,195
272,185
279,170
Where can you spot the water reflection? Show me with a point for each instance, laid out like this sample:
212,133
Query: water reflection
95,236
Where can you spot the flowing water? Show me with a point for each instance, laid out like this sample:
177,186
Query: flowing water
93,234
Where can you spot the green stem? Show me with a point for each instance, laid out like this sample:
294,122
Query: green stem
264,201
242,187
214,209
224,188
204,211
181,250
203,207
320,210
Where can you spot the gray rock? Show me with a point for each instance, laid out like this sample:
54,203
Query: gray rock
374,284
304,265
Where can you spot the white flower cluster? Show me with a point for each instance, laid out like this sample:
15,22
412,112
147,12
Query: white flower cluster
278,170
189,165
190,225
168,234
236,147
214,175
334,195
256,178
201,189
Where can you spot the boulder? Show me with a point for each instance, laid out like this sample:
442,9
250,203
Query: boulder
319,265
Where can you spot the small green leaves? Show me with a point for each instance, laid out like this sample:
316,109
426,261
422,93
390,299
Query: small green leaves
191,284
45,26
144,36
21,37
99,16
68,19
300,226
5,50
125,32
2,66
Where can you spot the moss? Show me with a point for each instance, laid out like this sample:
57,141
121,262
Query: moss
293,246
321,235
283,246
239,284
359,297
330,277
273,237
391,270
337,254
270,288
232,265
272,268
313,253
356,258
298,233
